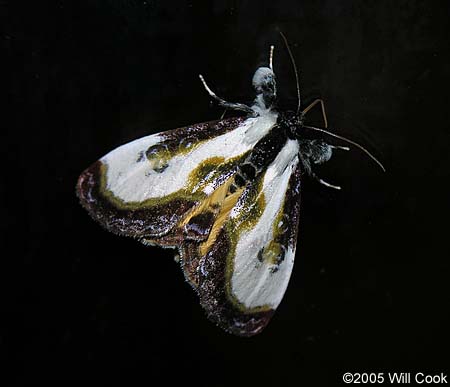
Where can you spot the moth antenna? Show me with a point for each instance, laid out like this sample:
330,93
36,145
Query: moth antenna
295,71
271,57
350,142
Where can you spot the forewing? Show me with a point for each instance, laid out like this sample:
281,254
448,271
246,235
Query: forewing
242,270
145,188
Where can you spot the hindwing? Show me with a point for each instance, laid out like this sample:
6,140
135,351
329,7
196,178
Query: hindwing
242,270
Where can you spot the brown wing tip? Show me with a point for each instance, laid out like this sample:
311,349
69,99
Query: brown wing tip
86,184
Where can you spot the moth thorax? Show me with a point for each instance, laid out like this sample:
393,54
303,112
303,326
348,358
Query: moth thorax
291,122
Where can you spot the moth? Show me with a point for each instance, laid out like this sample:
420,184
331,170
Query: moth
225,193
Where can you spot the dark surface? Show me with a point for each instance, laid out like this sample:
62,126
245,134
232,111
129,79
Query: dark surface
369,291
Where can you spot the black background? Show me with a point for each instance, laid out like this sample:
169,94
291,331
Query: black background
369,290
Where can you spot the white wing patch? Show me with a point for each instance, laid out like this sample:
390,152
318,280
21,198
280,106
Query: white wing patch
253,283
134,181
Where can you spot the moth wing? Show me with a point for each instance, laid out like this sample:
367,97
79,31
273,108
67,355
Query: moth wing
242,271
146,187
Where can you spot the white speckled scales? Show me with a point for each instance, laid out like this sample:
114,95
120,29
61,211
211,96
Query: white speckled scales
179,198
133,180
254,283
225,193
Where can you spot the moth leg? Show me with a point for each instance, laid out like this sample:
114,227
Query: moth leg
346,148
322,105
225,104
323,182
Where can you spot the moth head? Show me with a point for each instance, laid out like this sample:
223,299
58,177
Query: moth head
265,86
264,80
